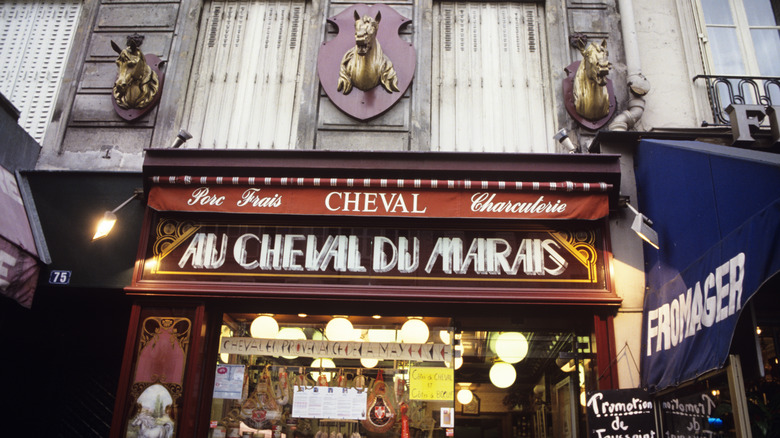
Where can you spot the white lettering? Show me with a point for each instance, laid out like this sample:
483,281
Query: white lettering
484,202
201,196
704,305
250,197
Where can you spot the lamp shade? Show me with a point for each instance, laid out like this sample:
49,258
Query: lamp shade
465,396
322,363
105,225
414,331
264,327
511,347
339,329
502,375
369,363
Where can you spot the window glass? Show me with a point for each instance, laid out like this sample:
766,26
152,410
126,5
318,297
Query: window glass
514,379
289,375
767,43
717,12
725,51
762,12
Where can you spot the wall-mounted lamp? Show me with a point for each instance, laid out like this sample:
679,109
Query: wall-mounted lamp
181,138
563,138
641,226
109,217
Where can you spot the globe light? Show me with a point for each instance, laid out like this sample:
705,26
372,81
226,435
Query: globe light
264,327
292,333
369,363
458,359
465,396
322,363
511,347
502,375
339,329
225,333
444,335
414,331
381,335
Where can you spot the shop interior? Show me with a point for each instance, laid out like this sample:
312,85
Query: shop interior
499,377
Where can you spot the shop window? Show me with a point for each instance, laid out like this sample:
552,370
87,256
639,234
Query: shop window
243,88
293,375
488,80
35,37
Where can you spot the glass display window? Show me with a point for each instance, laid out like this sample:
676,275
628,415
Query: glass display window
325,376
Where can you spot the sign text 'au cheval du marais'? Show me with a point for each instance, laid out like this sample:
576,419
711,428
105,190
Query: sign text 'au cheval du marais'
274,251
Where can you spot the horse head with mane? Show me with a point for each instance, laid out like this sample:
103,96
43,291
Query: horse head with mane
591,98
365,66
136,84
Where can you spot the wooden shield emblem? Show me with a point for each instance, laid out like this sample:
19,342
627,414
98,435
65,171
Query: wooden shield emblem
568,99
358,103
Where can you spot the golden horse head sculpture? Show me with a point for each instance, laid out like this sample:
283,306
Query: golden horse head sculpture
591,98
365,66
136,83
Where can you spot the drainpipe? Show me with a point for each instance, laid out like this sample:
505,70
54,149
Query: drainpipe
637,82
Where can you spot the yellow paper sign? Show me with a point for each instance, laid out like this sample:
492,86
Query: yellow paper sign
431,384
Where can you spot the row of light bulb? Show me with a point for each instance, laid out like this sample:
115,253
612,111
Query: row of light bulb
511,347
414,331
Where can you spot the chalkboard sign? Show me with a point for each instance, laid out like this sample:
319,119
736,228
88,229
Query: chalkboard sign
692,416
620,413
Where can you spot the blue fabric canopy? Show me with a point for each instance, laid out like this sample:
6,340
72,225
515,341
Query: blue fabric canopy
717,213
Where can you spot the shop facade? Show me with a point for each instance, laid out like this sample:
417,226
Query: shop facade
249,262
708,355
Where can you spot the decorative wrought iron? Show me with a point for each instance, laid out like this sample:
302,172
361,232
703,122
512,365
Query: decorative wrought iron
723,91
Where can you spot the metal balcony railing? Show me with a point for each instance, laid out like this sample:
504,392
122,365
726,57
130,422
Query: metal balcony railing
723,91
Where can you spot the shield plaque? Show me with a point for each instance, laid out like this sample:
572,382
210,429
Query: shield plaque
365,105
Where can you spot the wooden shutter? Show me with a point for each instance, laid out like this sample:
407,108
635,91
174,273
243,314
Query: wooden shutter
243,90
488,79
34,41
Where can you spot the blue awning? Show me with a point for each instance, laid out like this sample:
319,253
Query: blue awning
717,213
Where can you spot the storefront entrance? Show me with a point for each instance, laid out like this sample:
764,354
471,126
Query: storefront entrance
387,305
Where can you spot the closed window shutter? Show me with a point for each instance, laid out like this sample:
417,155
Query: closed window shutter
34,41
243,91
488,87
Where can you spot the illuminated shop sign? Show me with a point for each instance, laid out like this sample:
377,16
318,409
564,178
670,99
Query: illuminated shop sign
529,256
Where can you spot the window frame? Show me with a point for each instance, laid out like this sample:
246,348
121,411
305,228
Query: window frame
744,38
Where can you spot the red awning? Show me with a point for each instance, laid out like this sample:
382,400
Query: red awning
18,256
424,198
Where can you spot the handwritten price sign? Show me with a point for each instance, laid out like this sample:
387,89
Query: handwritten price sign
431,383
